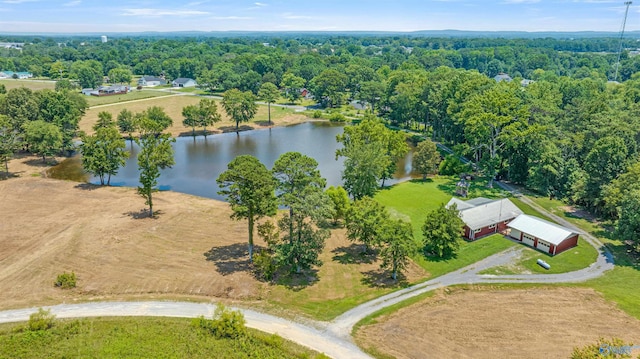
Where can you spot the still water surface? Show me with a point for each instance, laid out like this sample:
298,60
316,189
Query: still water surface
200,160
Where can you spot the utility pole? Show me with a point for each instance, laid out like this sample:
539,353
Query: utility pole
624,24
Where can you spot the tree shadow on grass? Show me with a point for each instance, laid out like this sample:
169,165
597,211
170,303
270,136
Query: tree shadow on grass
379,278
264,123
37,162
7,175
353,254
143,214
87,186
433,258
227,129
230,259
297,281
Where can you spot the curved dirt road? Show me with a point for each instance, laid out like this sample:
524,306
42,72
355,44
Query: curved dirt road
305,335
334,338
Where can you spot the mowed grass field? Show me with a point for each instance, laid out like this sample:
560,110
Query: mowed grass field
414,199
131,96
173,105
31,84
143,337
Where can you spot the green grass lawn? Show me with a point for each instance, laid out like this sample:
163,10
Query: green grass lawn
34,85
414,199
570,260
134,95
133,337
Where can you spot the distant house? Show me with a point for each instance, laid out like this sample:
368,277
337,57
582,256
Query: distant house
107,90
150,81
542,235
526,82
183,82
18,75
483,216
503,77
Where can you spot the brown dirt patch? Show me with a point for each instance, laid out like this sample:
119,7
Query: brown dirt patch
534,323
51,226
580,213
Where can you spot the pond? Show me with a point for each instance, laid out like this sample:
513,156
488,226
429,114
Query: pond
200,160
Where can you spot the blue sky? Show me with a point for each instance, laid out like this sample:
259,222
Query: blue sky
313,15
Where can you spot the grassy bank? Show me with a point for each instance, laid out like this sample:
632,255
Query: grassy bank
139,338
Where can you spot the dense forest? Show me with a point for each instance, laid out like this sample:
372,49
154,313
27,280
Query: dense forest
567,130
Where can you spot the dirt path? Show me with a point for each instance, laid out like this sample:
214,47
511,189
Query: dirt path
306,335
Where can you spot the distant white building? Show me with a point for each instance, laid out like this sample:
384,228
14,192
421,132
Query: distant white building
151,81
184,82
104,38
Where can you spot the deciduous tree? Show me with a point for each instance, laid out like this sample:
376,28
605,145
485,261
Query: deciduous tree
442,230
398,245
9,141
269,93
155,154
43,138
240,106
363,221
126,123
104,152
426,158
292,86
341,203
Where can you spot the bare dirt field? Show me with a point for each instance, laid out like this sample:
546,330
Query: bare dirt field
173,106
51,226
191,250
487,323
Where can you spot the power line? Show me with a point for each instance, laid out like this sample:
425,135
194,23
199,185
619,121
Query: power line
624,24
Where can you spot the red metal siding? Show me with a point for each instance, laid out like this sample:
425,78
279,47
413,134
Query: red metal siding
567,243
467,232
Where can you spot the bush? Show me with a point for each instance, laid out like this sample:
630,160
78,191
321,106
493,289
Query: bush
41,320
604,348
265,265
66,280
337,117
316,114
226,323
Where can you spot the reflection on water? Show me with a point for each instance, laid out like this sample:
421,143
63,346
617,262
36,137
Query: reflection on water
200,160
69,169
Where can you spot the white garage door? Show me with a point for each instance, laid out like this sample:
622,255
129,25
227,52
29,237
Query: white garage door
543,246
527,239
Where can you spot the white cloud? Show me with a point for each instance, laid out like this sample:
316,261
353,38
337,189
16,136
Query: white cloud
162,12
259,4
73,3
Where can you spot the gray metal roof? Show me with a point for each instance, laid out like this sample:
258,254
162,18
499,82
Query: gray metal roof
541,229
483,212
183,80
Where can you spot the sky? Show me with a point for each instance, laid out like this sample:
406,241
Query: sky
108,16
